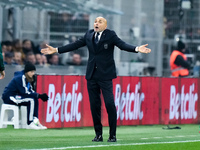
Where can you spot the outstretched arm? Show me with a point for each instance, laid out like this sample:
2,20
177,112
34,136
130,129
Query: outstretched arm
144,49
63,49
127,47
49,50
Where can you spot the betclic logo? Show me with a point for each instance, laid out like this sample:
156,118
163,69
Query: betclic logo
183,104
63,106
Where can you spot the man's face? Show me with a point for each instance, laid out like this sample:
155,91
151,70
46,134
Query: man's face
38,58
31,58
17,56
31,73
4,48
77,59
100,24
27,44
54,60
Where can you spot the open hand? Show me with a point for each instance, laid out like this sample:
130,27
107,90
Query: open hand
144,49
49,50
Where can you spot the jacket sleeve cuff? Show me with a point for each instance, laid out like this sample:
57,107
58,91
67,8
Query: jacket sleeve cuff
2,68
137,49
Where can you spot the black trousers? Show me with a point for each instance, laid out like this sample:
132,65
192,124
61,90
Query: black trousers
95,87
31,103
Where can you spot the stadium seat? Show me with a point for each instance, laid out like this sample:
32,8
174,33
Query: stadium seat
19,119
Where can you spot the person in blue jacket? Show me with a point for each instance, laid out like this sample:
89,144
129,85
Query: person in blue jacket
20,92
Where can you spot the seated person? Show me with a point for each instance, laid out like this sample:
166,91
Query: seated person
8,58
30,57
18,58
20,92
76,60
39,60
54,60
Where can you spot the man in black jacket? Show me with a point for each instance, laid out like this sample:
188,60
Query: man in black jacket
100,70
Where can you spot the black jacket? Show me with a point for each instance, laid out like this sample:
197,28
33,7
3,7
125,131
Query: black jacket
100,55
179,61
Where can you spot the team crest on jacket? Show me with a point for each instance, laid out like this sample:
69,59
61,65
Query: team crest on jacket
106,46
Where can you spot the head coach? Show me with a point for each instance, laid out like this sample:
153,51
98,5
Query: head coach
101,70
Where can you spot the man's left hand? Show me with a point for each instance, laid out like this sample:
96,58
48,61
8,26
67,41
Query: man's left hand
44,97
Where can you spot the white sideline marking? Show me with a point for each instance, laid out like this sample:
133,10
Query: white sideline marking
90,146
157,137
180,136
193,135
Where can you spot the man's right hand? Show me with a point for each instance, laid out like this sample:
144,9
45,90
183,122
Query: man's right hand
2,74
49,50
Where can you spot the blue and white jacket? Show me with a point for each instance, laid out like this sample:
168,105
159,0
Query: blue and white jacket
19,86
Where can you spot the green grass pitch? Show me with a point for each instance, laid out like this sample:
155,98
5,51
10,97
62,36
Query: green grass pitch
129,138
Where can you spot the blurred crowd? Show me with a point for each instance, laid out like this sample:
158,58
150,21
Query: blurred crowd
18,52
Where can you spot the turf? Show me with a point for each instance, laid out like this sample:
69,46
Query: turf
129,138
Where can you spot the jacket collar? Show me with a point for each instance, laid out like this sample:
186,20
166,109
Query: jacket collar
101,39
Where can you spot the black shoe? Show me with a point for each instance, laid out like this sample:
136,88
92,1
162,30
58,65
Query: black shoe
98,138
112,139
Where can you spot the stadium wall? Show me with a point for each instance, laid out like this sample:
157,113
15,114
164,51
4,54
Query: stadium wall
138,100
